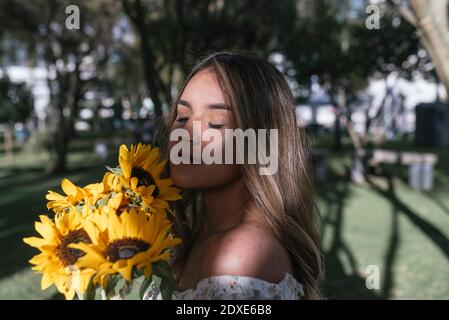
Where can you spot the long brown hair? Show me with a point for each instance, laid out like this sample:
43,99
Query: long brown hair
261,99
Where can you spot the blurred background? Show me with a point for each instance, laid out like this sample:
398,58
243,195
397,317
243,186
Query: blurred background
369,78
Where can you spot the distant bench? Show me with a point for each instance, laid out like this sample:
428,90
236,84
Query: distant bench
421,165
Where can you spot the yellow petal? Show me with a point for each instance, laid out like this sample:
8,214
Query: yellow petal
45,230
169,196
126,272
154,155
68,187
54,196
164,182
123,152
157,170
115,226
35,242
131,228
126,167
148,270
46,281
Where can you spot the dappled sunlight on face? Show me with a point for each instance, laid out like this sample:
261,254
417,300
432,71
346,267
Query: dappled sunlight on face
203,104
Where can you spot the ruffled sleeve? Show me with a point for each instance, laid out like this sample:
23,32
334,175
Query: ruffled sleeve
229,287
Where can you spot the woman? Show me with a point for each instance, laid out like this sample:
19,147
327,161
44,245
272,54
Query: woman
246,235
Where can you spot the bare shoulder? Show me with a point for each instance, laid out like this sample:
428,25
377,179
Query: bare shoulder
248,250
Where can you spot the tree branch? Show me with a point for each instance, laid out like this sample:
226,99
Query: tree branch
404,11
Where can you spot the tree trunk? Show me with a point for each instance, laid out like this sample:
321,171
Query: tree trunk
339,101
433,29
430,18
154,85
61,138
8,138
150,72
61,153
337,131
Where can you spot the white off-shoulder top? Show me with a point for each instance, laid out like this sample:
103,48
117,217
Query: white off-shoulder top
228,287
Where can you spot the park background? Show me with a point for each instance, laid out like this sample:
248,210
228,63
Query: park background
371,96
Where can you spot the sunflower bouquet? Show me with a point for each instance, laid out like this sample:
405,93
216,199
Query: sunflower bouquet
106,235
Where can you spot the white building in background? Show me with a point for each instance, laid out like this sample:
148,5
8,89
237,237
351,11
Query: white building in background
403,93
318,110
36,80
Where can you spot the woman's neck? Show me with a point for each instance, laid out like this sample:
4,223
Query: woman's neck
223,208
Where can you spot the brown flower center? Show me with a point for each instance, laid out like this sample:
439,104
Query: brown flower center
145,179
69,256
122,209
125,248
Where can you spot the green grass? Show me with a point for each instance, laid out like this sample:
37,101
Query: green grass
405,233
23,187
383,222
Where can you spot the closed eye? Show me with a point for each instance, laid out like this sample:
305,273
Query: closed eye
183,119
215,125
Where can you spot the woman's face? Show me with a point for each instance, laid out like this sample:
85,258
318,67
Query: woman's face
203,102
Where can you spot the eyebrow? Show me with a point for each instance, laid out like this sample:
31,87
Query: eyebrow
219,106
184,103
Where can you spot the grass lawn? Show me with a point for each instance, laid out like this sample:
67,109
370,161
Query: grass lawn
23,187
404,233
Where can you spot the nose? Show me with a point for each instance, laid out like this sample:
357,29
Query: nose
194,128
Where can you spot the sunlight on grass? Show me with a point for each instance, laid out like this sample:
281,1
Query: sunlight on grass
402,231
25,284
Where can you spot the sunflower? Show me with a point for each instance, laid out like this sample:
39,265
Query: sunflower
57,260
143,162
139,195
111,183
127,195
122,243
106,193
74,196
94,192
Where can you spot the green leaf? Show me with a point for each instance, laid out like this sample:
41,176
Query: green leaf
137,272
157,281
167,287
90,292
103,201
162,270
144,286
110,288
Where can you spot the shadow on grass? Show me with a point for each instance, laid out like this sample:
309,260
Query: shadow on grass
338,284
22,202
390,255
439,191
341,284
432,232
17,177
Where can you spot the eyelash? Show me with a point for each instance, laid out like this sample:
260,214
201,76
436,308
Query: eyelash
182,119
215,126
211,125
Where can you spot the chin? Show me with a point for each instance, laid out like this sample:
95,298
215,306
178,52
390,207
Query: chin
187,176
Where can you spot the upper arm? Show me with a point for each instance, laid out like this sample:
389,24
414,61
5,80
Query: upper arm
246,251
